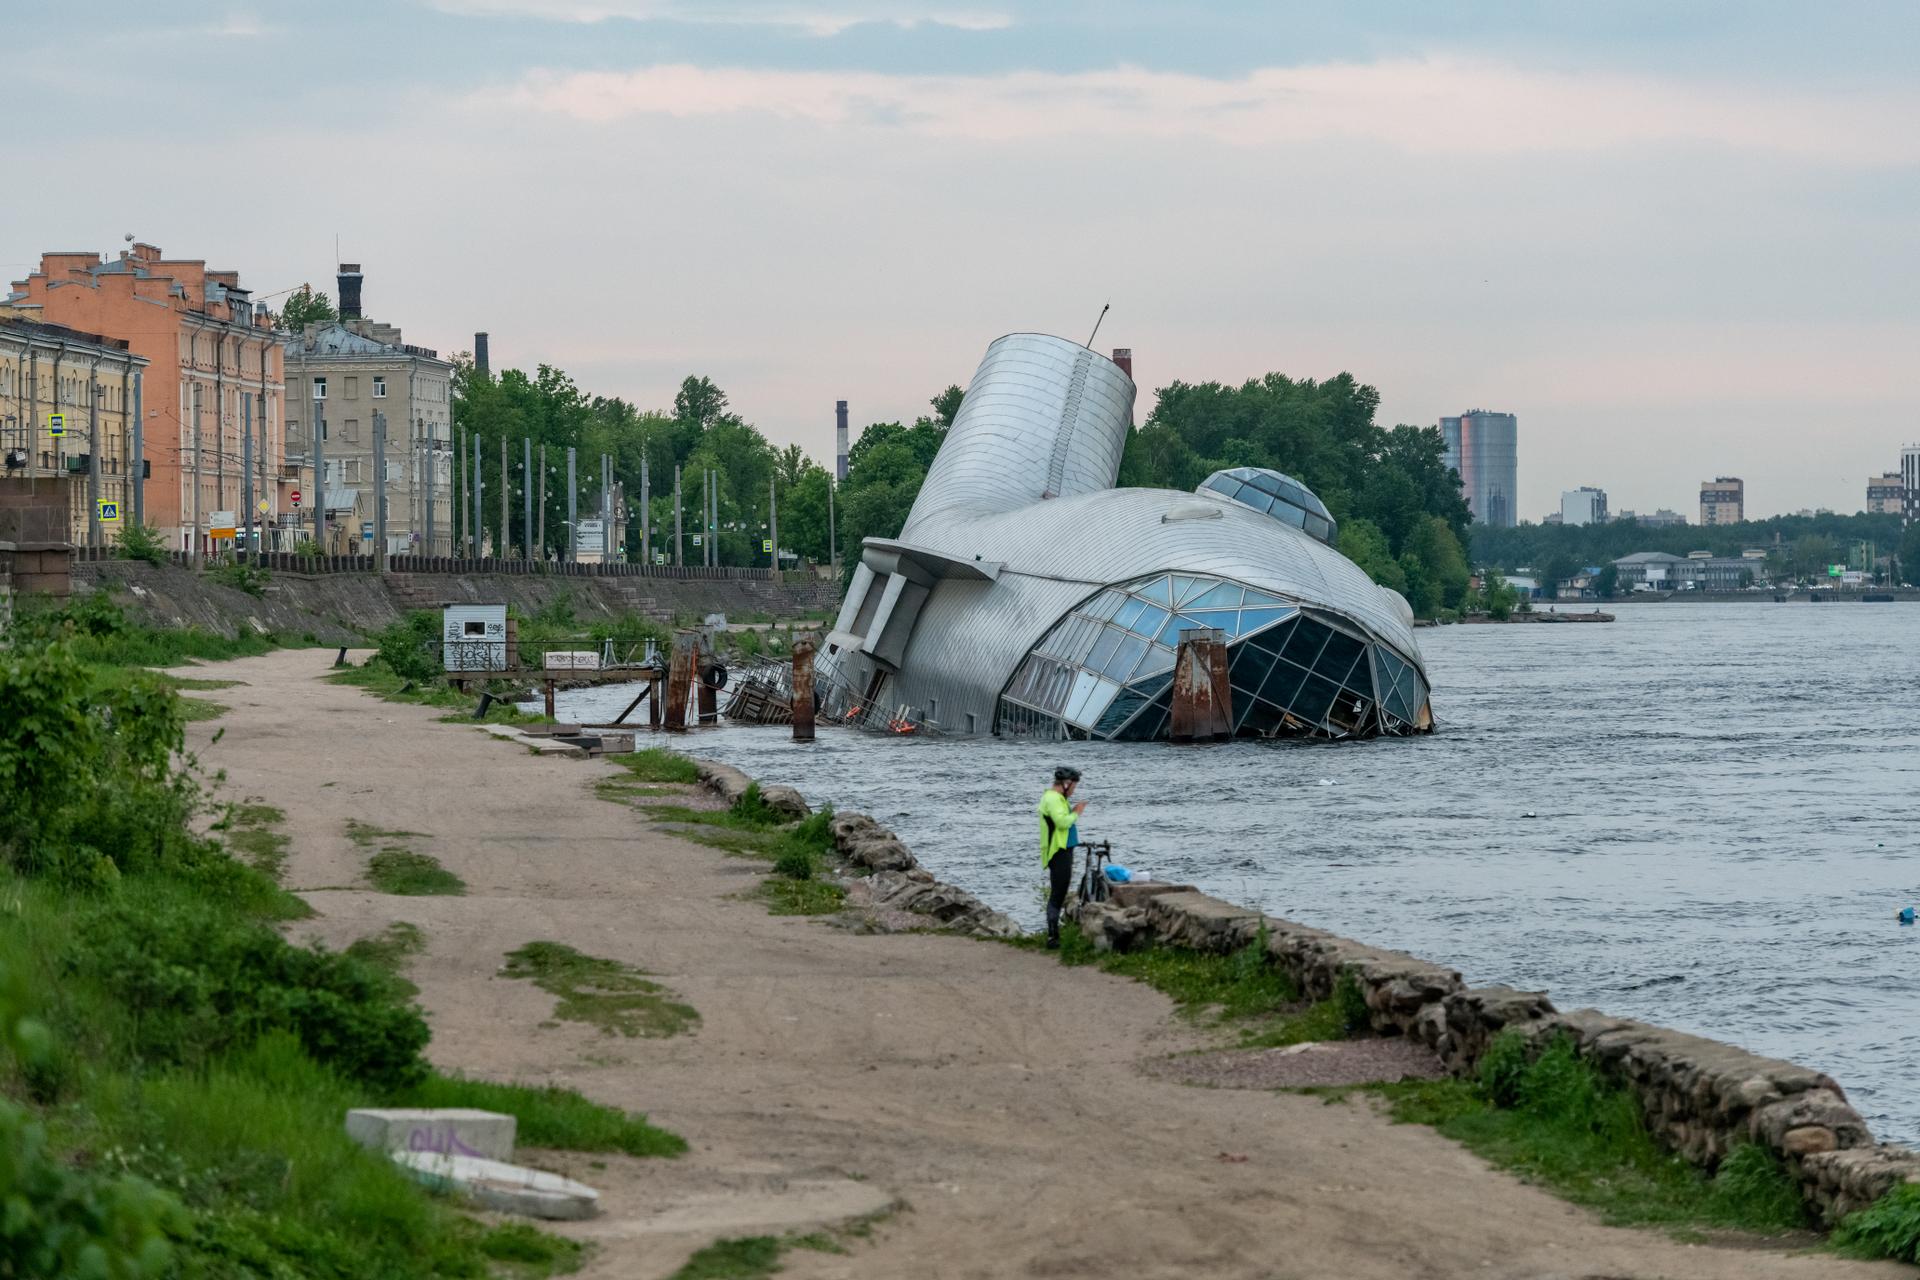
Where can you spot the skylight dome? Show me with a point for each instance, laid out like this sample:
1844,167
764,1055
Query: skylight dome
1276,494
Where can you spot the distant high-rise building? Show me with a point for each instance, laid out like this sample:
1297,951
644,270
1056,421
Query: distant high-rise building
1585,505
1484,448
1887,495
840,441
1910,483
1723,500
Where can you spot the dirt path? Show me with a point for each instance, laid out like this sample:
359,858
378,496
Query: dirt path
991,1091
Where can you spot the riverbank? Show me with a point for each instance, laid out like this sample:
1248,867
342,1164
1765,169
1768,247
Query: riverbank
995,1095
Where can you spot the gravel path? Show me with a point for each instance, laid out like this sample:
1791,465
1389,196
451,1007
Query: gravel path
993,1091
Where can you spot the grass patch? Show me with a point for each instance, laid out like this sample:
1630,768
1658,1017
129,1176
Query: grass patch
1555,1120
656,764
250,832
189,682
366,835
401,871
602,993
786,897
526,1251
1230,987
1888,1228
389,951
549,1116
744,1258
620,791
431,691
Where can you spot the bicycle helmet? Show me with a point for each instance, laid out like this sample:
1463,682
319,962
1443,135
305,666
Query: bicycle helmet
1066,773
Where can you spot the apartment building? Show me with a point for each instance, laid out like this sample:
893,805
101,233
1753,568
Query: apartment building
68,402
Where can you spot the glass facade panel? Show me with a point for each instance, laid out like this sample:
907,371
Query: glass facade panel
1126,656
1150,621
1304,645
1104,669
1103,648
1254,619
1224,596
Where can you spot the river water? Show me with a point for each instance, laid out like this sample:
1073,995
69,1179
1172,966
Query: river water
1704,816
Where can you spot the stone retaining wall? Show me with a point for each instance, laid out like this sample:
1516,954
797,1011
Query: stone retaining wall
894,879
1699,1097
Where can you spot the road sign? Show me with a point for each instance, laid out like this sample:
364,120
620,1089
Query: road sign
696,539
659,557
296,497
366,531
1835,570
222,524
56,424
766,544
109,511
264,506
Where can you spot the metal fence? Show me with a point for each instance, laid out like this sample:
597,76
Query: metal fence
290,562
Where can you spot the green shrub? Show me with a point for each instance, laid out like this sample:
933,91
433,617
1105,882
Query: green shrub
241,577
57,1220
142,542
1887,1228
793,863
198,982
410,648
752,810
1350,1002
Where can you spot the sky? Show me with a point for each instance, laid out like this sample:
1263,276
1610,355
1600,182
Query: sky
1675,237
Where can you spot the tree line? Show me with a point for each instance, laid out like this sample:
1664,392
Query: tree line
1398,506
1798,547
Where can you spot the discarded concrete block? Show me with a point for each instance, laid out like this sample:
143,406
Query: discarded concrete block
442,1131
502,1187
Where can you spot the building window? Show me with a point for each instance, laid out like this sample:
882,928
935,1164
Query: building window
319,388
379,388
353,388
353,431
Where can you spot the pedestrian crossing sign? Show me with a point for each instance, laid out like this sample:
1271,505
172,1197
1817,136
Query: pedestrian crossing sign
56,424
766,544
109,511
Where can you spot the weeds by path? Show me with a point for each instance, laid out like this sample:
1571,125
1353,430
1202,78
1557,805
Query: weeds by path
602,993
399,869
389,951
250,830
551,1117
1555,1120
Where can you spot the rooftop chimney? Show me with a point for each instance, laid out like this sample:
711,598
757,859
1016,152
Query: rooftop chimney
1123,356
840,440
480,355
349,279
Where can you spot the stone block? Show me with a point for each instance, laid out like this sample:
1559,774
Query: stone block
444,1131
786,802
1819,1108
502,1187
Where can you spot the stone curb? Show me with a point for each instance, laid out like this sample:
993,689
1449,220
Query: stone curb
1699,1097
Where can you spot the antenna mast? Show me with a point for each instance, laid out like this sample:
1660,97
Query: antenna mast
1096,324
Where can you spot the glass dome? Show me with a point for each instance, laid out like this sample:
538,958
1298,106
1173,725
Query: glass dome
1276,494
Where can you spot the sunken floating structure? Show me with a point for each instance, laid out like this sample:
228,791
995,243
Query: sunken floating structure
1026,594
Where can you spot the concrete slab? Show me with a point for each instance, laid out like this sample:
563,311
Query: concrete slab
502,1187
438,1130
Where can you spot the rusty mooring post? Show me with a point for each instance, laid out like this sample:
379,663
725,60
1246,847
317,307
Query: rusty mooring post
1202,696
656,691
709,710
549,688
803,690
686,651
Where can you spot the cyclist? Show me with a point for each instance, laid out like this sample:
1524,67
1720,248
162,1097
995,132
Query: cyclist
1058,815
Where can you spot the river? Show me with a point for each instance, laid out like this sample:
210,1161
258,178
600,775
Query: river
1704,816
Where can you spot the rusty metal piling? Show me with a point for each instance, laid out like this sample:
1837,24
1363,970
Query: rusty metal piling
803,690
1202,695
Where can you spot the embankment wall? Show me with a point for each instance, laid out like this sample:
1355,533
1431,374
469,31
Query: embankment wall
342,607
1699,1097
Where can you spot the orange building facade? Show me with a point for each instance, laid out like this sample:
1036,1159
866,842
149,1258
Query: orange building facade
215,362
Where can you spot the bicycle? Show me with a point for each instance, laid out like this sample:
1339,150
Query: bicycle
1094,885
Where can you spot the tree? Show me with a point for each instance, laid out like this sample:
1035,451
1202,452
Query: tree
1607,584
699,402
946,406
1362,542
303,307
1909,569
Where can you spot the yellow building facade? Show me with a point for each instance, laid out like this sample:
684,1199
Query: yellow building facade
67,409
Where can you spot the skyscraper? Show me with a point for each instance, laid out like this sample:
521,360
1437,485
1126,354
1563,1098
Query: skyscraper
1910,479
1484,448
1585,505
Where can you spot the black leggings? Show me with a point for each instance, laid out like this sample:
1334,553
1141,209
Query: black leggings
1059,872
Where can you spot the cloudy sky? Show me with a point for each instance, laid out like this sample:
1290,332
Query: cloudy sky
1676,237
